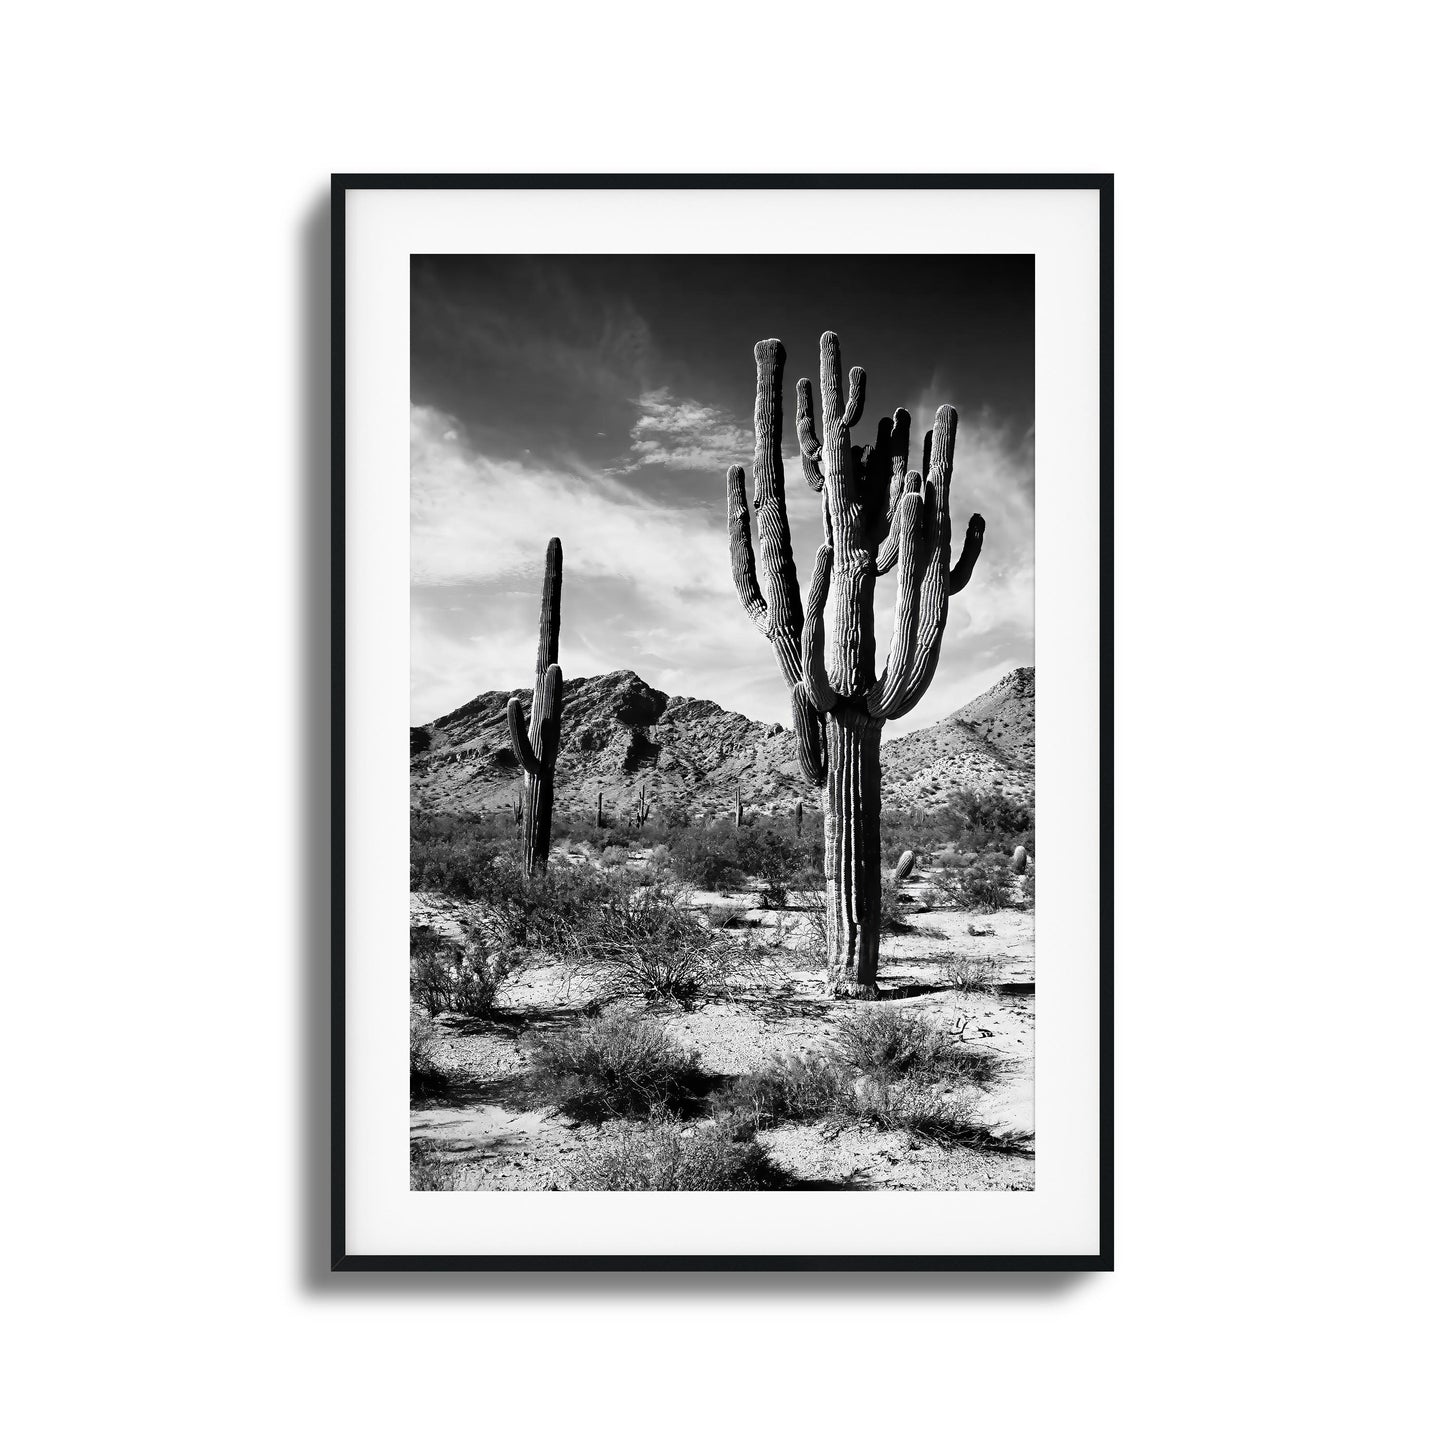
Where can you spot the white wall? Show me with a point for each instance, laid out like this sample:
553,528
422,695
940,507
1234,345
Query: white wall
164,576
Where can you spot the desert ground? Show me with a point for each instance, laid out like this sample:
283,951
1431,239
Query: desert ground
961,978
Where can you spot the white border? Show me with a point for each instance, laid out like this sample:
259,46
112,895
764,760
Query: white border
383,230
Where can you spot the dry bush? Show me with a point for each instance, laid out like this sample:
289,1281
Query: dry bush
429,1080
450,977
905,1081
725,915
971,975
801,1088
616,1066
432,1171
887,1042
978,883
663,1154
647,943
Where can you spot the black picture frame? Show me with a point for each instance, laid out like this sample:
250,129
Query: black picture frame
341,1259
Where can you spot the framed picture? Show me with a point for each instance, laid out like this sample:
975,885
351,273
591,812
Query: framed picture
722,722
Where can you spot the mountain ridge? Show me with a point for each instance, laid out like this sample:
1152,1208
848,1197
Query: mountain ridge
620,735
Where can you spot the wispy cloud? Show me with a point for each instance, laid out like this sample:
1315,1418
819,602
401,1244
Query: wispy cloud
686,435
648,584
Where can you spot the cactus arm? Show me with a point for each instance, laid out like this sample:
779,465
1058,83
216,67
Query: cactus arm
857,389
740,543
520,745
972,546
550,732
893,441
913,527
812,741
808,443
780,577
815,684
933,595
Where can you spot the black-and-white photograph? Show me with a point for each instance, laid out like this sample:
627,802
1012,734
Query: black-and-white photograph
723,854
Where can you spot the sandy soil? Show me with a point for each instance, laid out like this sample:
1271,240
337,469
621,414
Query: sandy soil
494,1126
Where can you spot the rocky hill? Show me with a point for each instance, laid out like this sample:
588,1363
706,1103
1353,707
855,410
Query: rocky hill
619,735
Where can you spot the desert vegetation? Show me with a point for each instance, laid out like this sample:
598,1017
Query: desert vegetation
656,1006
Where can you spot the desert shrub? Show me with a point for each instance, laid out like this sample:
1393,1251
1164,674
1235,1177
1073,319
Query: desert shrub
429,1079
451,854
810,933
451,977
645,942
432,1171
614,1066
725,915
539,912
706,855
805,1089
950,1123
614,856
799,1089
663,1154
887,1042
980,883
971,975
991,813
890,905
773,859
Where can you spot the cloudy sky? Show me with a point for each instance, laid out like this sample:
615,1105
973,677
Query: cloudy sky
602,399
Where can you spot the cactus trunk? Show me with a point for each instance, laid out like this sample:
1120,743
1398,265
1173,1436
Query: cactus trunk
536,747
851,851
538,836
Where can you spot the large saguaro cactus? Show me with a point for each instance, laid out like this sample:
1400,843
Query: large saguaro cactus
537,747
876,514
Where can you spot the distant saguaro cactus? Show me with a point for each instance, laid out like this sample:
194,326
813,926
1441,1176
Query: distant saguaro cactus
599,807
738,806
641,807
798,819
518,808
537,747
905,866
876,513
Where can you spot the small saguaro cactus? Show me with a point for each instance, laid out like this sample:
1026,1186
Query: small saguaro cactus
876,514
1020,860
537,747
798,818
518,808
641,807
738,806
905,866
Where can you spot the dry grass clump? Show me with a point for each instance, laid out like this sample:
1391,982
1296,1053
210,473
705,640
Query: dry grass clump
429,1080
647,943
433,1172
971,975
974,882
801,1088
891,1069
617,1066
664,1154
